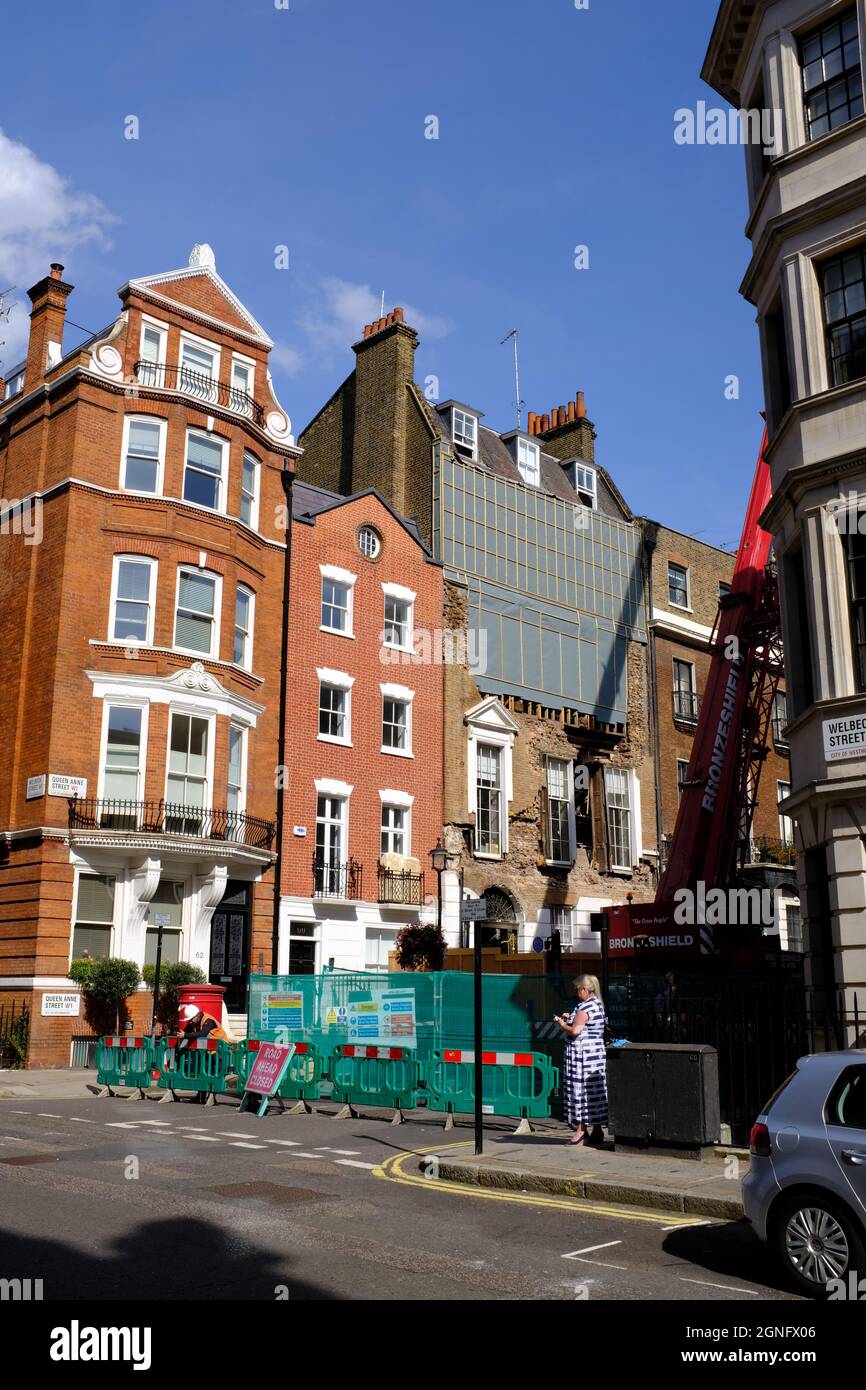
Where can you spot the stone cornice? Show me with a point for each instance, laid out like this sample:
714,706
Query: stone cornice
730,35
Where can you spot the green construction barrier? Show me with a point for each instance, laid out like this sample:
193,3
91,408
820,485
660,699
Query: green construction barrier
303,1074
203,1065
518,1084
124,1061
384,1076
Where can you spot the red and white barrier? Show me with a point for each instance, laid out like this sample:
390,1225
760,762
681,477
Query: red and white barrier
489,1059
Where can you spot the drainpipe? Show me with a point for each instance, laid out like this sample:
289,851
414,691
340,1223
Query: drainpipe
651,532
287,478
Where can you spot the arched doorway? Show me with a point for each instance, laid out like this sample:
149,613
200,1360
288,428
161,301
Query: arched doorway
500,926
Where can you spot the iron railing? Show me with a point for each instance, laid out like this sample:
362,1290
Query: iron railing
337,880
169,818
779,738
14,1033
687,703
200,387
766,850
400,887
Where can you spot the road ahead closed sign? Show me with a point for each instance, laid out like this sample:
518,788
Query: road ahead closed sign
845,738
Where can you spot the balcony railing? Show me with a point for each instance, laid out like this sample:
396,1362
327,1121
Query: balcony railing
766,850
200,387
168,818
337,880
401,888
687,703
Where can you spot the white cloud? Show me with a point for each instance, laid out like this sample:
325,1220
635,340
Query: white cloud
286,358
41,219
342,309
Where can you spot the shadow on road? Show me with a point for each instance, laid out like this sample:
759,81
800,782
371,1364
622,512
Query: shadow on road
731,1250
186,1259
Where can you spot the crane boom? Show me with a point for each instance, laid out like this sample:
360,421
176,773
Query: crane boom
731,737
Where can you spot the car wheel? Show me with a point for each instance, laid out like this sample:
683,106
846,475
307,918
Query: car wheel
817,1241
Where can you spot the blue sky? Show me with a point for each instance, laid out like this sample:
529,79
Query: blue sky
305,127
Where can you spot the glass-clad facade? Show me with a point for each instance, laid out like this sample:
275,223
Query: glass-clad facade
555,590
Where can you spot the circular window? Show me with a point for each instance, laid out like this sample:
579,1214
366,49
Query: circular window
370,542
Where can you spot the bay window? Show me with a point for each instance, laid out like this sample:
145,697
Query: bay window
199,369
133,587
196,625
241,394
143,454
188,771
250,492
203,470
242,651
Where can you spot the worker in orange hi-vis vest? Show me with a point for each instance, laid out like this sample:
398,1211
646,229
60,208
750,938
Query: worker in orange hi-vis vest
196,1024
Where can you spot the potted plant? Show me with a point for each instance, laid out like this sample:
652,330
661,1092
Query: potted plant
106,985
420,946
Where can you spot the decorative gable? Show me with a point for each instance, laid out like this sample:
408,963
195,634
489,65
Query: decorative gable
198,287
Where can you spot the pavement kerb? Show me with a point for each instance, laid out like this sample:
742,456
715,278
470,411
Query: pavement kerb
590,1189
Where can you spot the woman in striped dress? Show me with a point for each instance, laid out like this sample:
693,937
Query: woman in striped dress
585,1078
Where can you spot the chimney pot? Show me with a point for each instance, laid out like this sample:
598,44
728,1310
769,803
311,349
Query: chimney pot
531,422
545,424
571,410
581,406
56,270
398,315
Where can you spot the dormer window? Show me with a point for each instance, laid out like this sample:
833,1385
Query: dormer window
464,431
528,462
199,368
585,485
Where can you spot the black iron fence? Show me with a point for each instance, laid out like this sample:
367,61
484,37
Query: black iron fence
169,818
337,880
14,1033
200,387
401,888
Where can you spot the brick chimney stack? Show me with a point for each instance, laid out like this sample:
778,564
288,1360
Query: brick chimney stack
384,372
567,432
45,347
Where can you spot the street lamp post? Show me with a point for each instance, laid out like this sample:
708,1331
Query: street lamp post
439,859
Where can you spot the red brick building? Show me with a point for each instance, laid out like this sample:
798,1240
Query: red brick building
363,770
143,533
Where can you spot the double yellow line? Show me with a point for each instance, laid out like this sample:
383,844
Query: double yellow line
393,1170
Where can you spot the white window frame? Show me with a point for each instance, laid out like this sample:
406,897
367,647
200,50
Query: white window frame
458,433
396,801
214,349
565,928
384,932
386,808
107,706
490,723
157,376
247,663
682,607
160,463
529,467
337,680
222,490
153,565
243,730
340,792
691,689
195,713
405,696
214,652
586,480
246,364
253,522
786,823
400,594
634,810
684,763
368,530
94,872
347,578
569,797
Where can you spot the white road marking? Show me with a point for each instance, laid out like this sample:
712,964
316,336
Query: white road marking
202,1138
289,1143
120,1124
45,1115
239,1144
354,1163
588,1249
582,1261
729,1288
300,1154
80,1121
325,1149
233,1133
161,1123
20,1112
193,1129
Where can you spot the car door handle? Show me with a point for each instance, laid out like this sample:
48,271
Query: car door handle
854,1156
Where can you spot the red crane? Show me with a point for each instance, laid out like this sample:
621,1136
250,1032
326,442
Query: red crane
711,836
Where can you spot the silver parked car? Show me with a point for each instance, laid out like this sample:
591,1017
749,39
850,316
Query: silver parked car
805,1192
